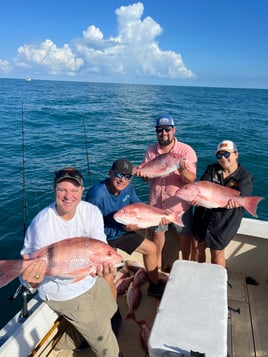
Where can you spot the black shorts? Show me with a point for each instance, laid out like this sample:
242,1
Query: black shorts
128,242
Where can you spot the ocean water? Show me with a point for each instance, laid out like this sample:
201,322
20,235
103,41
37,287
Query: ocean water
46,125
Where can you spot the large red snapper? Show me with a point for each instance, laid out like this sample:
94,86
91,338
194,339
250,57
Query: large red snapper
73,258
162,165
211,195
145,216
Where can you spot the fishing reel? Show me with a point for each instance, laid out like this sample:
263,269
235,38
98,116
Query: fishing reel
24,292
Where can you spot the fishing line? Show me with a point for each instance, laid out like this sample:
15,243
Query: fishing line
86,145
23,171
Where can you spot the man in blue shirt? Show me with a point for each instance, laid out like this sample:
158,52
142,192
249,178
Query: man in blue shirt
110,195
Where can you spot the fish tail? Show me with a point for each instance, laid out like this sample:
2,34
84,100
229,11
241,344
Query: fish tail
141,322
176,217
130,316
250,203
134,170
9,270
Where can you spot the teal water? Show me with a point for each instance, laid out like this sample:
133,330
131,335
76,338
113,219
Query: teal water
46,125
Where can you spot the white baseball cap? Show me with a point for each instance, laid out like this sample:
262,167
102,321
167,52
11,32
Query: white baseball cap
227,145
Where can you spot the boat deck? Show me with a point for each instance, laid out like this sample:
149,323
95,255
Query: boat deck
247,301
248,328
247,321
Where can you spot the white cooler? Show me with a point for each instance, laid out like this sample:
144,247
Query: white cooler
193,312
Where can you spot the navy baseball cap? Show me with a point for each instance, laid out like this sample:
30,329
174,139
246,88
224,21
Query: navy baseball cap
164,120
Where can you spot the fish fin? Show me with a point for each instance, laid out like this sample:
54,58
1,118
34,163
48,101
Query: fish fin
141,165
229,190
9,270
82,273
78,278
250,204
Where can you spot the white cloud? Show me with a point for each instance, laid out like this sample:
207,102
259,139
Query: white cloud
47,54
93,33
132,29
133,53
5,67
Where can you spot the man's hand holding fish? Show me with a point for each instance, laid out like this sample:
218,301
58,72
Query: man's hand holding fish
35,272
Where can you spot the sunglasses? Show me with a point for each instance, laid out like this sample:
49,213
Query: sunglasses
226,154
126,176
67,173
167,129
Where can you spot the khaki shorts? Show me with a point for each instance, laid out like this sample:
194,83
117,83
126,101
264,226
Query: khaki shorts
91,313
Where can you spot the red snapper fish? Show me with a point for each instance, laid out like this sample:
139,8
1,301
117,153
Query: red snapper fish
160,166
145,216
123,284
134,296
140,277
73,258
211,195
144,334
121,274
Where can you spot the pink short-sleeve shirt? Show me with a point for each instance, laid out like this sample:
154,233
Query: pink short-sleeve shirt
162,189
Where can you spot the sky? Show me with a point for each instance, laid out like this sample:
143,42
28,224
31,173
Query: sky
208,43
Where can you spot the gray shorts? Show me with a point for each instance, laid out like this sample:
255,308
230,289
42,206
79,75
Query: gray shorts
187,220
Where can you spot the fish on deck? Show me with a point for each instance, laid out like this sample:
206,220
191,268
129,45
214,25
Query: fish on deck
140,277
121,274
144,333
144,215
211,195
73,258
160,166
122,284
134,296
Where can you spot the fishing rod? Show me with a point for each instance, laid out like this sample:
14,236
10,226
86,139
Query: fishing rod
86,145
22,289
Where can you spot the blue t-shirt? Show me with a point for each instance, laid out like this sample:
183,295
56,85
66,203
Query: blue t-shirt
109,203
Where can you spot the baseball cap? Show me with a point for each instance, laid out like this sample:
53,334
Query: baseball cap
68,173
122,166
226,145
164,120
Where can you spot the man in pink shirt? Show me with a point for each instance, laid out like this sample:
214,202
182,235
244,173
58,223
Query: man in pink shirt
162,189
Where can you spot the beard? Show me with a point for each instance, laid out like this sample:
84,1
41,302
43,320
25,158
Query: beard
166,142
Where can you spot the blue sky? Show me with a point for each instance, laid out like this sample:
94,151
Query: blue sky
218,43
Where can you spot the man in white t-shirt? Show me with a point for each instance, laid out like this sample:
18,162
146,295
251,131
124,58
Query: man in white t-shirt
90,303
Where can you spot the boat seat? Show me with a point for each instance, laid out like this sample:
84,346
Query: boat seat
193,313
